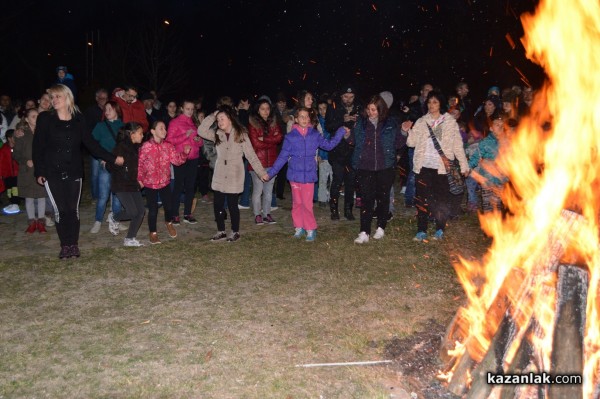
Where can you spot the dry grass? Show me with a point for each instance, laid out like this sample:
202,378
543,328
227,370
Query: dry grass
204,320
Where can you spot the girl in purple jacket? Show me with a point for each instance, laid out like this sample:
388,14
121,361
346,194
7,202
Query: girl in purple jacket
300,150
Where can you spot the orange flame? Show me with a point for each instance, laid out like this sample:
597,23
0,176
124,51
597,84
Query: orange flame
550,171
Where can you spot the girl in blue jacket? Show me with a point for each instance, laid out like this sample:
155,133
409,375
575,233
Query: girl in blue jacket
300,150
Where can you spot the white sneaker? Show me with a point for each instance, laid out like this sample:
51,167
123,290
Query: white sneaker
123,227
132,242
113,225
274,208
379,234
49,221
362,238
243,207
96,227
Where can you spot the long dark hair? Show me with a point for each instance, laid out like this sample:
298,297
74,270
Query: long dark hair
239,130
264,124
127,130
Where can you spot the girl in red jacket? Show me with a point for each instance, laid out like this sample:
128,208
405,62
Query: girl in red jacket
154,174
265,135
9,169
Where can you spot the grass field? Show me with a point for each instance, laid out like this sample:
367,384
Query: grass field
194,319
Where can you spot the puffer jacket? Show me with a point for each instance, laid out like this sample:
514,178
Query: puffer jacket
177,136
301,152
265,149
154,169
450,141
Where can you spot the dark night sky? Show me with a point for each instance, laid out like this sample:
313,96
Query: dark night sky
255,47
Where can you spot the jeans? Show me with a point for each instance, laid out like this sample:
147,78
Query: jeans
264,190
133,208
94,169
409,194
104,179
375,186
325,178
472,199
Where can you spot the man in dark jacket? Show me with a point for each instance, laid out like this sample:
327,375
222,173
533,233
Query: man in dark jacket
344,113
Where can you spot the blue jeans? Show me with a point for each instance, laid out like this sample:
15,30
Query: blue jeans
94,168
409,194
472,191
245,196
104,193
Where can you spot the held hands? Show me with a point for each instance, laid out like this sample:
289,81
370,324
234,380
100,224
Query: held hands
41,180
119,161
265,177
30,163
190,132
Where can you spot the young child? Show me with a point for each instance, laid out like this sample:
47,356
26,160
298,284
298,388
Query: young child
154,173
232,145
33,193
300,147
9,169
483,163
125,180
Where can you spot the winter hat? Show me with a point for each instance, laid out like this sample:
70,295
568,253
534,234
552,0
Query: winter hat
61,68
348,89
388,97
265,97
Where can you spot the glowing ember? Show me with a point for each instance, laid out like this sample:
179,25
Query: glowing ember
550,170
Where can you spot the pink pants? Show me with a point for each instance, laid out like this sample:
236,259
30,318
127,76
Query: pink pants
302,205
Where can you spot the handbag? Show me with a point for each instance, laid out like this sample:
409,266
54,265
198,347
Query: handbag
455,178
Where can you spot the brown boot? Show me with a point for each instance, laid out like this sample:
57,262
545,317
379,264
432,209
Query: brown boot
154,238
171,229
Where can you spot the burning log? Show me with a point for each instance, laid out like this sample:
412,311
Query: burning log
567,348
512,306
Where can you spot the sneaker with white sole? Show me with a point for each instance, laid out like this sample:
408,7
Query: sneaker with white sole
362,238
439,235
132,242
49,221
220,236
113,225
299,232
379,233
420,237
243,207
96,227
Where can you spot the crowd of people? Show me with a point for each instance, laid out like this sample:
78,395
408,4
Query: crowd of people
325,147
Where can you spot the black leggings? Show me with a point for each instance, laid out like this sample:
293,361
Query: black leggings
64,194
234,211
152,200
132,208
185,181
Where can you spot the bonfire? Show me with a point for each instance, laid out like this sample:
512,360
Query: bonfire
533,300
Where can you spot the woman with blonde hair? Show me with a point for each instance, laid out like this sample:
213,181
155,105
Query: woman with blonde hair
58,163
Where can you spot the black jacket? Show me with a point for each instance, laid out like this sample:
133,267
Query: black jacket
124,178
57,146
342,153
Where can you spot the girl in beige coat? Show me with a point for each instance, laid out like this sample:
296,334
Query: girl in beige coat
232,144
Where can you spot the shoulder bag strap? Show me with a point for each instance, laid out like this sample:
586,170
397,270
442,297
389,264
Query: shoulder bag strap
437,146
